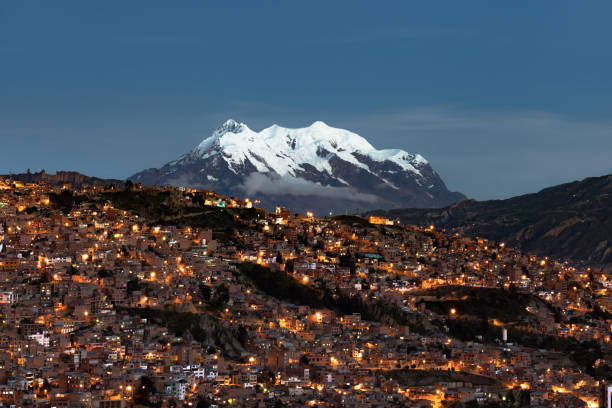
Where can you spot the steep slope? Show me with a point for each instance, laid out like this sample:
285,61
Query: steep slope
570,221
314,168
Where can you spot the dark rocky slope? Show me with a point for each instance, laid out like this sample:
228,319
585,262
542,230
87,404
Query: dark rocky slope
570,221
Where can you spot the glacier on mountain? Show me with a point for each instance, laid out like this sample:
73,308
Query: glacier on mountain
279,165
283,150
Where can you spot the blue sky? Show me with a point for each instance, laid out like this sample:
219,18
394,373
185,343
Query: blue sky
501,98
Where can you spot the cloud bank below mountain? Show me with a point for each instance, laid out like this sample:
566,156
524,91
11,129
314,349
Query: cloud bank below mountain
276,185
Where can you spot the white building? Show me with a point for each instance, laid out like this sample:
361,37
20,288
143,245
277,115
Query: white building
8,298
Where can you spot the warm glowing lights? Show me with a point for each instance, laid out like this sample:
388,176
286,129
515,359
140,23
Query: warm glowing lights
102,239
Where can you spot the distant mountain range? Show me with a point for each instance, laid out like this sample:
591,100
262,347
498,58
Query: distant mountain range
318,168
570,221
75,179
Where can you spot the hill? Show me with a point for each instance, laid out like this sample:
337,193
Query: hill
60,178
571,221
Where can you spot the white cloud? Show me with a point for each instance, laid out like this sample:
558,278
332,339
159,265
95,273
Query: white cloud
262,183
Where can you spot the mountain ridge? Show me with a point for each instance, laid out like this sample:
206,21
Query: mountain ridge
278,164
570,221
73,178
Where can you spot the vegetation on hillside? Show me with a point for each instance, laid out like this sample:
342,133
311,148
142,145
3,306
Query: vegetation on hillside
584,354
284,287
485,303
201,327
172,207
350,220
423,378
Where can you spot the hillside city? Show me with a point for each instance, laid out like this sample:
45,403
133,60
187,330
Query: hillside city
170,297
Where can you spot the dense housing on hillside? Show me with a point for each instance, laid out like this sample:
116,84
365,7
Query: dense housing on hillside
207,301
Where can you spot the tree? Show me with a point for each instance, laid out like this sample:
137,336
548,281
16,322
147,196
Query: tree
143,391
62,201
133,285
205,291
268,378
103,273
508,400
348,261
204,402
524,398
221,296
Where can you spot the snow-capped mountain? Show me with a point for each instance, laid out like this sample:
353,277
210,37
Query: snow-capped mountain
317,168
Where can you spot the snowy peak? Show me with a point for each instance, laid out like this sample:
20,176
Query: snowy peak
331,166
229,126
319,125
285,151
